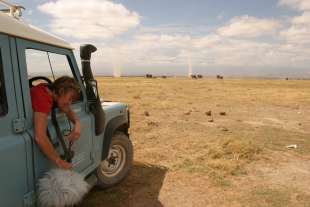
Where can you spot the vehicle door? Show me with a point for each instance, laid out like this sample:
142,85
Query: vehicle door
43,60
14,152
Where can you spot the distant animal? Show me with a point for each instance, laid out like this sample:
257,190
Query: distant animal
149,76
219,77
163,76
193,76
199,76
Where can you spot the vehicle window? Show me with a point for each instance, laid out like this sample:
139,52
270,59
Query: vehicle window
3,100
47,64
51,65
38,64
60,65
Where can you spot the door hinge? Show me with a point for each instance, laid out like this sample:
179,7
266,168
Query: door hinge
29,199
19,125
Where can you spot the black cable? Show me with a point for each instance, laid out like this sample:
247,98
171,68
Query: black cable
67,150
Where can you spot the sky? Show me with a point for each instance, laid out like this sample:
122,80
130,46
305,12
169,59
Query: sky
268,38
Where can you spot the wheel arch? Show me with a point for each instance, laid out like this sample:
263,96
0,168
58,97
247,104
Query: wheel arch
118,123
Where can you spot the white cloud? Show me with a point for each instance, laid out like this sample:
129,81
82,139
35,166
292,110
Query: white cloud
304,19
207,41
248,27
302,5
89,19
169,46
208,51
168,54
164,40
175,49
147,49
299,30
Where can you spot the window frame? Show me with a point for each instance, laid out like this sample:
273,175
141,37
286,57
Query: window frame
3,88
22,45
51,69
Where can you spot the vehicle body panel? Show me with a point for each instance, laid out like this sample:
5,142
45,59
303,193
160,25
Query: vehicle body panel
14,148
83,147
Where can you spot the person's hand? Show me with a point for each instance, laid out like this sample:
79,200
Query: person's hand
63,164
75,133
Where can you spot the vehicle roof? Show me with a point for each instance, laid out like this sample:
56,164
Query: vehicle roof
15,27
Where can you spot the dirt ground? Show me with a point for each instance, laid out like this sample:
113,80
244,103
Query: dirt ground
213,142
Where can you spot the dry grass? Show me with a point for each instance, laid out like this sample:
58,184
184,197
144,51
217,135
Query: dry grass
172,128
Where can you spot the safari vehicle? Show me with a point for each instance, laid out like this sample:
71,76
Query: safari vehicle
103,154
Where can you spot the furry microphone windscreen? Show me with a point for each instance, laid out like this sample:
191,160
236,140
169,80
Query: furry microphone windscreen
60,188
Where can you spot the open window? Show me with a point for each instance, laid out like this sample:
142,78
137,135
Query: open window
49,65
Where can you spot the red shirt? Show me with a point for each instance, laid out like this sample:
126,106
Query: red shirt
41,99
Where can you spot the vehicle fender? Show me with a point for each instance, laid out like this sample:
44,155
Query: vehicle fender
119,123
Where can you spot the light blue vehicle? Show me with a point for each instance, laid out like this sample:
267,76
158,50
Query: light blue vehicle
104,152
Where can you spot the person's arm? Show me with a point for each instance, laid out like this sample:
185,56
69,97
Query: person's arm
76,132
40,124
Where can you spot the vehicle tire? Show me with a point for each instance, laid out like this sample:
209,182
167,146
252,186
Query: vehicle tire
118,163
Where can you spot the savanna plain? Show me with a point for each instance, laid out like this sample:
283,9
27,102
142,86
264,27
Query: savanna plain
210,142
